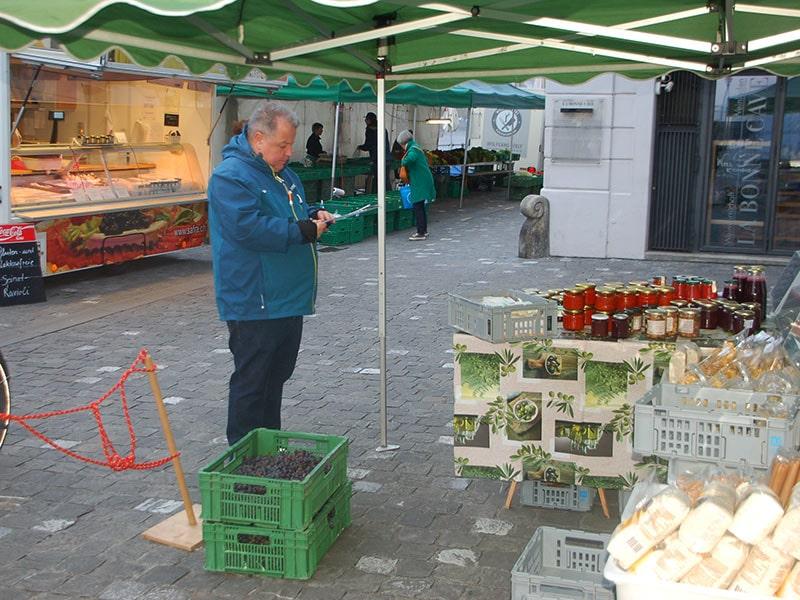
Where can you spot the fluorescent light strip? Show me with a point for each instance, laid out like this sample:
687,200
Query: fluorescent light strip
559,45
445,8
96,8
345,3
458,57
622,34
364,36
767,10
684,14
439,121
773,40
771,59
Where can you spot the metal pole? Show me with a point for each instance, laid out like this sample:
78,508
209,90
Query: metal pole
382,265
510,166
334,150
5,140
414,126
464,166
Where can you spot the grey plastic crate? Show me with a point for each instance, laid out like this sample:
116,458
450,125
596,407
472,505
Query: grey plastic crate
710,424
549,495
532,316
562,564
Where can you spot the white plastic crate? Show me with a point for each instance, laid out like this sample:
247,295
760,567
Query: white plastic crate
709,424
564,497
561,564
530,316
637,587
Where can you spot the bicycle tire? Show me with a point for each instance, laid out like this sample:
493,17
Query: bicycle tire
5,400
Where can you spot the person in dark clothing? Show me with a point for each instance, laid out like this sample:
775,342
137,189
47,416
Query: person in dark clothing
313,145
371,145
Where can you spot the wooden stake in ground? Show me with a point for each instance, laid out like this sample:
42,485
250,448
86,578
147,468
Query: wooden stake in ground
603,502
511,491
182,530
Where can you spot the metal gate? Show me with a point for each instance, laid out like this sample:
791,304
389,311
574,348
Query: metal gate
676,162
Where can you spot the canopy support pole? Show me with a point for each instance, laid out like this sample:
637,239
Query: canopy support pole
335,152
510,166
385,446
464,166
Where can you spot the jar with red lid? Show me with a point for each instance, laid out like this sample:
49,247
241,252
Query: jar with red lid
588,311
572,320
573,299
605,300
620,326
635,315
600,325
588,292
648,297
666,295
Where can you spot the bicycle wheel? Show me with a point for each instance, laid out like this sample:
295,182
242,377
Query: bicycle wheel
5,400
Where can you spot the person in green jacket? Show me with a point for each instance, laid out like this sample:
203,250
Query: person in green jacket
421,181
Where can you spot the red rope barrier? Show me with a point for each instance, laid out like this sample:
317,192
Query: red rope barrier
113,459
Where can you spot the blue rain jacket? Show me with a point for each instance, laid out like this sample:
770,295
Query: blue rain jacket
263,268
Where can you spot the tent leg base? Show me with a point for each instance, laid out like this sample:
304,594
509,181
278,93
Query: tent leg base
387,448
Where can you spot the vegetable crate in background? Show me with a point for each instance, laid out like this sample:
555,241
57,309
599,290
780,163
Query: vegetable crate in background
724,427
552,495
404,218
286,504
561,564
346,231
290,554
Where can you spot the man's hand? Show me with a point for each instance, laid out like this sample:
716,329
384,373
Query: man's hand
324,215
322,227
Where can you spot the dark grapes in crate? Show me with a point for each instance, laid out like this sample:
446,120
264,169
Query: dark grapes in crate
284,465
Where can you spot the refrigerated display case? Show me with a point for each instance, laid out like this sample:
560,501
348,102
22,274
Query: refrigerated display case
107,165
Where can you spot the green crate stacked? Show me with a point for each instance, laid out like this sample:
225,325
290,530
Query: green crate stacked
274,527
524,184
404,218
343,232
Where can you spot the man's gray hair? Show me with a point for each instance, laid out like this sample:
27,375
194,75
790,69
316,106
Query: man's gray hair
266,115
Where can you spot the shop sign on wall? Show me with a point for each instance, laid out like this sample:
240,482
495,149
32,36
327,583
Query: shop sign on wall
21,279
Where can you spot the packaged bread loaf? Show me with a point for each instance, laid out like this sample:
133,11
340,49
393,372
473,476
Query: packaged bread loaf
758,512
787,531
764,570
791,586
674,560
658,518
718,569
710,518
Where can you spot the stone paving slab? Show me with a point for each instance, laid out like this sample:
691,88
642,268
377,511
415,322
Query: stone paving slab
418,532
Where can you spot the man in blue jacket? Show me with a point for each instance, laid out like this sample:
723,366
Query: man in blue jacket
263,242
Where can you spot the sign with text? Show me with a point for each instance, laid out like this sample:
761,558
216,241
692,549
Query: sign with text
21,280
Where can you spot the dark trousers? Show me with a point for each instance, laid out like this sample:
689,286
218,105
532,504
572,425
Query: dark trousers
421,217
264,356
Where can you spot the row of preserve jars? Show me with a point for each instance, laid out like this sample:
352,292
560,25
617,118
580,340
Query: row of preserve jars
679,318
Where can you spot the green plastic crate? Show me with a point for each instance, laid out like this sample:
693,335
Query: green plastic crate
345,231
273,502
274,552
404,219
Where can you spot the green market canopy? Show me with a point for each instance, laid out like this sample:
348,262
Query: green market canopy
430,43
470,94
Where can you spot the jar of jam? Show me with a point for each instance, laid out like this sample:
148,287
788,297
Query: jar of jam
730,291
573,299
672,320
627,298
756,308
707,289
600,325
572,320
743,320
635,315
648,297
588,292
724,313
689,322
605,299
620,326
679,303
588,311
666,295
755,287
655,324
659,280
615,285
692,289
708,315
679,285
740,274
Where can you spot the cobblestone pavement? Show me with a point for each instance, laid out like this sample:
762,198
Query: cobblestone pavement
72,530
